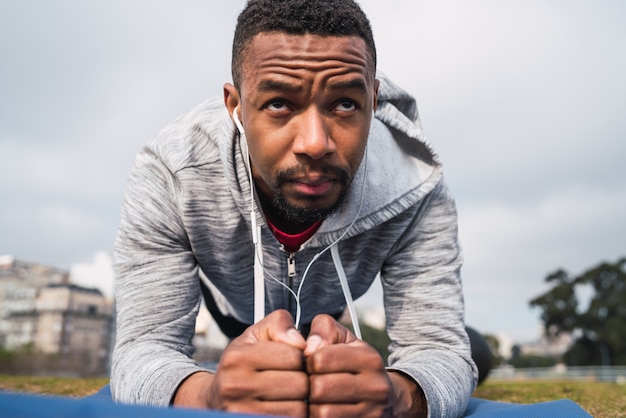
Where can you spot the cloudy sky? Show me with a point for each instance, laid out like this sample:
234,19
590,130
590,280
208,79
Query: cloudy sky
525,100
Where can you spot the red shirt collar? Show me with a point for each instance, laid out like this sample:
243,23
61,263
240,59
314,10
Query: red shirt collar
292,242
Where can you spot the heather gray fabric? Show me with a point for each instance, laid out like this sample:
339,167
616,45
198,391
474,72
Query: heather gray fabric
187,214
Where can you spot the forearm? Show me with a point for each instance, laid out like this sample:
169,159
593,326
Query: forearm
148,374
157,290
155,325
408,399
429,342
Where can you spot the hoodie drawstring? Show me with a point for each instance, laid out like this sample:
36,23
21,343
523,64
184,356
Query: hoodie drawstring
259,276
343,280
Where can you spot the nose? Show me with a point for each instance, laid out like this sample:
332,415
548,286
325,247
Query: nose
313,136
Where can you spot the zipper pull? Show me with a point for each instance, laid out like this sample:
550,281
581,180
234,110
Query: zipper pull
291,265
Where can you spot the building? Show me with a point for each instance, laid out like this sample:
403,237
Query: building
20,284
68,326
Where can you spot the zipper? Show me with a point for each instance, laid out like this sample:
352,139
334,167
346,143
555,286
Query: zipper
291,265
291,273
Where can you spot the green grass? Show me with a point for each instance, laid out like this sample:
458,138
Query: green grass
75,387
601,400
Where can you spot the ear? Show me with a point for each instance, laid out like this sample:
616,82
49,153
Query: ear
231,99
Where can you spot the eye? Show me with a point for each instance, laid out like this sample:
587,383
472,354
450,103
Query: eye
346,106
276,106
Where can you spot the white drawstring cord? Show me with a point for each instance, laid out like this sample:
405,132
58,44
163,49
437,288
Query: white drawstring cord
334,251
259,278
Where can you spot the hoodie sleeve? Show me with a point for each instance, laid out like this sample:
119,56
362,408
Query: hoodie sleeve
425,308
421,277
157,289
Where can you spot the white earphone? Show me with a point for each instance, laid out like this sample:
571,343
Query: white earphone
237,121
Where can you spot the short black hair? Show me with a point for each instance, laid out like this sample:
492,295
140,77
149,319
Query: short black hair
299,17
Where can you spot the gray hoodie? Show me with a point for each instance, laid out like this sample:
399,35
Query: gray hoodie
186,224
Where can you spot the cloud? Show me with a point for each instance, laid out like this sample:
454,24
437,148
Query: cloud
95,274
88,84
55,233
523,100
509,250
579,215
514,96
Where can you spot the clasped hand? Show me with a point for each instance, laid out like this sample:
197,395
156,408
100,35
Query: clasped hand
272,369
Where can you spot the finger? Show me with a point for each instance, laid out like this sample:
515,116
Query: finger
271,385
277,326
360,410
325,330
263,371
280,408
282,386
355,357
260,356
374,388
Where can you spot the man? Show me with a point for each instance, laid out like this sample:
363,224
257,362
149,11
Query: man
280,208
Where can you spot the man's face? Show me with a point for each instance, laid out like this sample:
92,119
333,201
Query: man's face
306,104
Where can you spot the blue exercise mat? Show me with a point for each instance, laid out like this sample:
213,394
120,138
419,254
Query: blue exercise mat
101,405
564,408
13,405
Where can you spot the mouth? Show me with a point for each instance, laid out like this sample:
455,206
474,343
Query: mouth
313,187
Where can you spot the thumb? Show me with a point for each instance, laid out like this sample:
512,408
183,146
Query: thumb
278,326
325,330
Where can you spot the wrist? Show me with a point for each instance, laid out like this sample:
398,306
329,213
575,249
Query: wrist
194,390
407,397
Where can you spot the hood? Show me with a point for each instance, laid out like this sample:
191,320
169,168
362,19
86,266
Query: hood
398,169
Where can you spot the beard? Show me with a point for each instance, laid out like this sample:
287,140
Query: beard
309,213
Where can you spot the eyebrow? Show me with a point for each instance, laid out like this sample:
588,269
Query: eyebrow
354,84
274,85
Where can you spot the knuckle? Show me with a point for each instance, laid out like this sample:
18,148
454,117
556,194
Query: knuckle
316,362
280,314
372,358
317,388
320,411
230,389
231,359
323,322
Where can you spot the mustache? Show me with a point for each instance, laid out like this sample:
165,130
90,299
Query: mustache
325,169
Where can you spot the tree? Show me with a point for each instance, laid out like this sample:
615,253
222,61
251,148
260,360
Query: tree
600,330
